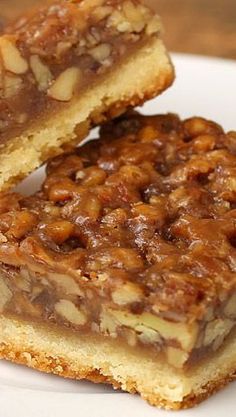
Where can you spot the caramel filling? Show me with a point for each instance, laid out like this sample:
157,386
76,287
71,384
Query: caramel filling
60,299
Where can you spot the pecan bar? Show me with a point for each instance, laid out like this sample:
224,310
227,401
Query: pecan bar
122,268
71,64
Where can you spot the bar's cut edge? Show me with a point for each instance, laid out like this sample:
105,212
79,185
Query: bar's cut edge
104,360
143,75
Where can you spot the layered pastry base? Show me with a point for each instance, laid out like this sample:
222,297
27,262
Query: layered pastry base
122,268
70,65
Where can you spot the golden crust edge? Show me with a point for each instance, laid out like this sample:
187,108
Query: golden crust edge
59,366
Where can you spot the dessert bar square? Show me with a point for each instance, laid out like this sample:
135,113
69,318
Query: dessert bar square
69,65
121,269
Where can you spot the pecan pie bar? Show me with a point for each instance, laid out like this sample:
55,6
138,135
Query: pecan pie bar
122,268
71,64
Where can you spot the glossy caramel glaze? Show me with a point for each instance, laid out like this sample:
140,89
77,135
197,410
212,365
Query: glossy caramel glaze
152,202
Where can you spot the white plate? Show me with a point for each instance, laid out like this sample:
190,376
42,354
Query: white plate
205,87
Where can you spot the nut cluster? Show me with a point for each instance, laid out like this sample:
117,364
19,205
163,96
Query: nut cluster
154,198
